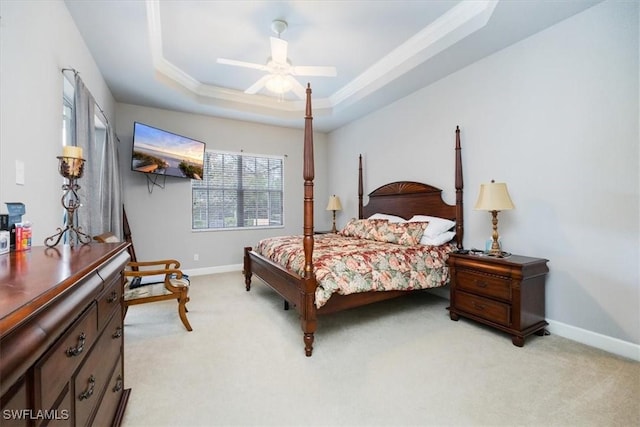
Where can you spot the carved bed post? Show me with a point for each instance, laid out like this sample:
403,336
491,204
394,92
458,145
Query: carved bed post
247,268
360,187
308,311
459,186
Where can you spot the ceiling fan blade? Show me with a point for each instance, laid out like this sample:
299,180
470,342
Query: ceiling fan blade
310,70
242,64
278,50
254,88
297,88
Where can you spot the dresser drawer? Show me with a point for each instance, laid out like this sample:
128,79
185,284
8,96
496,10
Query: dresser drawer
484,284
52,372
111,399
93,377
60,416
109,301
14,402
482,307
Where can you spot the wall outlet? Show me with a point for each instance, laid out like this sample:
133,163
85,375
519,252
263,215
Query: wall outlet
196,257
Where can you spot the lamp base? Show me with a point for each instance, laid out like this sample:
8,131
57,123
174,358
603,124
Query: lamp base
498,254
333,229
495,249
70,201
74,236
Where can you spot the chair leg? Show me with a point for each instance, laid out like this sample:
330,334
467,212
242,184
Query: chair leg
182,311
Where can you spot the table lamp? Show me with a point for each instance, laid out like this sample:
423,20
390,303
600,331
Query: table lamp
494,197
334,205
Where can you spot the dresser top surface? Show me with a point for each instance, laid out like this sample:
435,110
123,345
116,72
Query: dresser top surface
29,280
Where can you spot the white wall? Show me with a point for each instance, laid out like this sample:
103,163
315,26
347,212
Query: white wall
37,40
160,220
556,117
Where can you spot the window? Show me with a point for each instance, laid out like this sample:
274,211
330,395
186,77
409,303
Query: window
67,112
238,191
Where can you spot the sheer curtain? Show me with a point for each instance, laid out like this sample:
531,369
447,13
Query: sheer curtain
101,188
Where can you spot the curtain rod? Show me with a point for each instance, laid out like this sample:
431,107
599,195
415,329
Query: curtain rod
76,72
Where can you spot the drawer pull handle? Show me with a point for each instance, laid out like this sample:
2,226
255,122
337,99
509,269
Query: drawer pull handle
88,392
74,351
117,333
477,306
481,283
118,385
113,297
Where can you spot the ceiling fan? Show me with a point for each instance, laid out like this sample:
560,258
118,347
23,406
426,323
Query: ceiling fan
280,78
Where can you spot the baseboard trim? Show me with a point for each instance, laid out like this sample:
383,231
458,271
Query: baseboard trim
583,336
213,270
594,339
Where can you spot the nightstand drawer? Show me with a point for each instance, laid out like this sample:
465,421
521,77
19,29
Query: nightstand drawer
484,284
482,307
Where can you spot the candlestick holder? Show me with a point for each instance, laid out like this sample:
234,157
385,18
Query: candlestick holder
71,168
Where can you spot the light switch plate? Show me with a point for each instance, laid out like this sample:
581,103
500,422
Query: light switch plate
19,172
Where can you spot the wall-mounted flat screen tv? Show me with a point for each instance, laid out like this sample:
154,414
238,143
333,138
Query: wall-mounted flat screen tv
157,151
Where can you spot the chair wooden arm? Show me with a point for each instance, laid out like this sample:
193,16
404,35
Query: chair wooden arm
168,263
106,238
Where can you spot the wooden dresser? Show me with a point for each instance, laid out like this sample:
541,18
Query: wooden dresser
61,336
505,293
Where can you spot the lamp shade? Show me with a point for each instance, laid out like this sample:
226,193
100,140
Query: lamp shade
494,197
334,204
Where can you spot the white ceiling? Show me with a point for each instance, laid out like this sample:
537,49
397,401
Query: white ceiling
162,54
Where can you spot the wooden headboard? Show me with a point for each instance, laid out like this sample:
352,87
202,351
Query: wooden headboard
408,198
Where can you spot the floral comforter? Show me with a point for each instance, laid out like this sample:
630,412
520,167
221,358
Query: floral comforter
348,265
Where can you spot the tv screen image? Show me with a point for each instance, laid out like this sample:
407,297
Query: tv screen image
160,152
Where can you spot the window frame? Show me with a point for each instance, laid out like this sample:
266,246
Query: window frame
195,183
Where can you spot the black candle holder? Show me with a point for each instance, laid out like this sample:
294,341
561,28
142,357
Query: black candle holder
71,169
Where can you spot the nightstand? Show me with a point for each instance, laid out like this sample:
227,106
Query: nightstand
504,293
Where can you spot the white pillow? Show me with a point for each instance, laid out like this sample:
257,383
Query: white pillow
438,240
436,225
390,218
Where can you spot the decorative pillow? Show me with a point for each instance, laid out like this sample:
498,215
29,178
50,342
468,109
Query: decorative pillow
436,226
401,233
362,228
390,218
438,240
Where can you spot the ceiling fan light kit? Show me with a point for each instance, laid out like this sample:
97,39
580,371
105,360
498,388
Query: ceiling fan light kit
278,84
279,79
279,26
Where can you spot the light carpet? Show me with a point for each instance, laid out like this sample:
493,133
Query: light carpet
396,363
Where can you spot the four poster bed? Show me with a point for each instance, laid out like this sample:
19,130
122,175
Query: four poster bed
315,273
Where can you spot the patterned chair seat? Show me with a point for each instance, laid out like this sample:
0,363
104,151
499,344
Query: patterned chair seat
152,289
